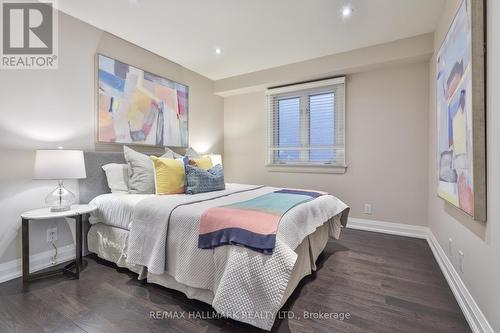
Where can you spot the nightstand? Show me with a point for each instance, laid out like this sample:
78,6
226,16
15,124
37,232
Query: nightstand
76,212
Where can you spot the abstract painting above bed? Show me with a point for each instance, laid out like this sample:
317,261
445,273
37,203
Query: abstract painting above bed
138,107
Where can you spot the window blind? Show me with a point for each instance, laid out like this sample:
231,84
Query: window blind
306,124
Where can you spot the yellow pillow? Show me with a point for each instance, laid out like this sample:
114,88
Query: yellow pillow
169,175
204,162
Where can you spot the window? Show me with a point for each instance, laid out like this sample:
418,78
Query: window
306,126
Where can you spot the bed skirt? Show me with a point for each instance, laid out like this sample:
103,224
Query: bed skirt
110,243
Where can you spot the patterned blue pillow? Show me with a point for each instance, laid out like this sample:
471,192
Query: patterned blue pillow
200,181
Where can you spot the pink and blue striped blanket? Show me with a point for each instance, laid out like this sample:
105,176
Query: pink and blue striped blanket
252,223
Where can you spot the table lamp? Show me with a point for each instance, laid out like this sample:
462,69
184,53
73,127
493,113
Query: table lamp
216,159
59,165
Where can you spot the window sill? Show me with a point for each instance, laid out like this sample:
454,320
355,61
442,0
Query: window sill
296,168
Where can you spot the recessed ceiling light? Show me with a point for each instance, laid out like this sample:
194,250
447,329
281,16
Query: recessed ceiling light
347,11
218,50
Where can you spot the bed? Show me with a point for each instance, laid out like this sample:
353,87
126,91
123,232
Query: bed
157,237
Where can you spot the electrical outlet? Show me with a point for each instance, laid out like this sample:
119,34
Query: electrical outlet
368,209
51,235
461,261
450,247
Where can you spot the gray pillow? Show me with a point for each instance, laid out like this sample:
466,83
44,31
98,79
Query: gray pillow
140,172
192,153
171,154
200,181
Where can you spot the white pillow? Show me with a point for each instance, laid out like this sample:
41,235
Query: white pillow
117,176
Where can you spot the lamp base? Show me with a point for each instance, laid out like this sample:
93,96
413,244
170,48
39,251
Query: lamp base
59,209
61,199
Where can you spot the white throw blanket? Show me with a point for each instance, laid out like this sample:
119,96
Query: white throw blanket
247,286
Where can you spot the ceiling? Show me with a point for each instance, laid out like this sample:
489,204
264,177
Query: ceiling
254,34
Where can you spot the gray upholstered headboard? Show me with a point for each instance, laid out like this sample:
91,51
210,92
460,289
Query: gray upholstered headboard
96,183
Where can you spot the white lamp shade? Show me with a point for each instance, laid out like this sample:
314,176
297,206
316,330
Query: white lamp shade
59,164
216,159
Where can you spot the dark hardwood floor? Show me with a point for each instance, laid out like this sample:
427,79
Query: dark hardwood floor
384,283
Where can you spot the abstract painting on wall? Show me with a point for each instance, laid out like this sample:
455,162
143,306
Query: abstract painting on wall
138,107
461,112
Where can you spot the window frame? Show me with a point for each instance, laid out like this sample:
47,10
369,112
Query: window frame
304,91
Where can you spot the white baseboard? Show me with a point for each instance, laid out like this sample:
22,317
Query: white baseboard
407,230
475,317
471,310
13,269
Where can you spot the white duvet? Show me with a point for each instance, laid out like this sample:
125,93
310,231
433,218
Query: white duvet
115,209
247,286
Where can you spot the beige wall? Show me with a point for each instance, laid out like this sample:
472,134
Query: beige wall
386,112
50,108
479,242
